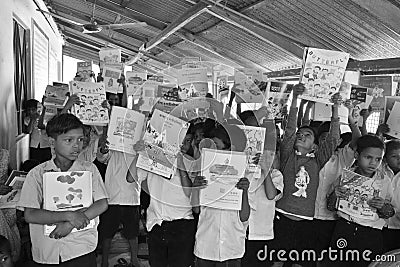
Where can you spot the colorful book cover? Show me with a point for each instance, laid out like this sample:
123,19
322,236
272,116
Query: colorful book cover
156,167
16,181
254,147
110,55
125,129
322,73
323,112
134,81
277,96
56,95
378,88
392,115
193,82
169,92
84,71
90,110
249,86
111,76
49,113
360,190
67,191
149,89
166,106
222,170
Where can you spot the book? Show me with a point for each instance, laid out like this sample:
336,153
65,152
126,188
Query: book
254,147
392,115
16,181
109,55
149,98
222,170
134,82
49,113
56,95
360,190
193,82
125,129
276,98
249,86
90,110
111,76
67,191
167,171
323,112
84,71
322,73
361,100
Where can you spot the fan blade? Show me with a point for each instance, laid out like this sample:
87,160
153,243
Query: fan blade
125,25
60,17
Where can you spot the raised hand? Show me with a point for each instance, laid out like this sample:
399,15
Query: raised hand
298,89
5,189
337,99
139,146
199,182
243,184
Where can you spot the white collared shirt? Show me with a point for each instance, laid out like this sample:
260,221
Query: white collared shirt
393,222
220,235
48,250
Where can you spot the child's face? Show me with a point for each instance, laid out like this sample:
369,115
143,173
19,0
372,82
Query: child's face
5,260
187,141
369,160
69,145
305,139
113,100
218,142
198,136
393,160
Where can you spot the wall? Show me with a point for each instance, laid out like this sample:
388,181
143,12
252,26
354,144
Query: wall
24,11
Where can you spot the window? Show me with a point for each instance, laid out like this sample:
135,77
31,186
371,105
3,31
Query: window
20,46
40,57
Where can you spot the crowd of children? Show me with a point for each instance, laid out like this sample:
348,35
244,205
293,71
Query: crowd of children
291,209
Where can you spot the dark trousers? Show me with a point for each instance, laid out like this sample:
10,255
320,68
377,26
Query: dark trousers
87,260
391,239
253,247
172,244
349,236
207,263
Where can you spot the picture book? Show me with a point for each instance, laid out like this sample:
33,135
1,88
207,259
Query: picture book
84,71
322,73
198,107
392,115
361,100
134,81
193,82
323,112
50,112
149,98
125,129
249,86
144,162
16,181
90,110
166,106
169,92
110,55
67,191
56,95
276,98
111,76
254,147
222,170
360,190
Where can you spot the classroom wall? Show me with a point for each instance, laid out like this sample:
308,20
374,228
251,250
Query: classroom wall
24,11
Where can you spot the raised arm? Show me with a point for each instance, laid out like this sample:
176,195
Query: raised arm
355,130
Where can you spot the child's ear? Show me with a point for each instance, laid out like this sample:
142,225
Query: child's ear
52,141
314,146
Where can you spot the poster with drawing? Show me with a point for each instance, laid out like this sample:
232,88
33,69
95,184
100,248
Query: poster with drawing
249,86
125,129
323,112
90,110
134,81
392,115
322,73
56,96
378,88
67,191
222,170
166,170
149,91
84,71
111,76
361,100
276,98
49,112
16,181
254,146
360,190
109,55
193,82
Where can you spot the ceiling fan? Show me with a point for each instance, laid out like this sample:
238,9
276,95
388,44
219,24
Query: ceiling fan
92,26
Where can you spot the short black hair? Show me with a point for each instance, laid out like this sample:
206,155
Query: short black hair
5,246
247,114
30,104
391,145
62,123
369,140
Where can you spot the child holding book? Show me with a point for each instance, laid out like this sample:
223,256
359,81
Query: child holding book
363,234
61,247
301,161
220,236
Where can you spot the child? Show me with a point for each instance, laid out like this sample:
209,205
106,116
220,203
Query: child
220,236
365,234
62,247
301,162
5,253
391,166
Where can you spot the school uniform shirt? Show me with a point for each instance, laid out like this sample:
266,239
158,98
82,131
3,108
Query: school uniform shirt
301,172
393,222
385,191
120,191
46,250
168,201
343,158
220,235
262,209
37,136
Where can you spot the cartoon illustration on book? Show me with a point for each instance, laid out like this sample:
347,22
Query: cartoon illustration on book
360,190
277,96
222,169
301,183
249,86
125,128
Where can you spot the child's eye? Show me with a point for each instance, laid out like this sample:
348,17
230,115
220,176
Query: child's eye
80,139
68,140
